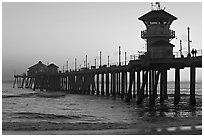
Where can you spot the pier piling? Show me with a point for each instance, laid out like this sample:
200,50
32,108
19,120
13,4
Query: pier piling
102,84
192,85
177,86
107,84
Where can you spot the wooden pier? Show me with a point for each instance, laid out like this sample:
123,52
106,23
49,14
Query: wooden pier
138,79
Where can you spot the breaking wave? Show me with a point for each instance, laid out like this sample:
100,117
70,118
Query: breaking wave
37,94
34,115
19,95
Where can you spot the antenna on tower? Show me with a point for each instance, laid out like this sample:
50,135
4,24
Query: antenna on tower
152,6
158,5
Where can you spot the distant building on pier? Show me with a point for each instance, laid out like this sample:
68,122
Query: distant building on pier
40,67
52,68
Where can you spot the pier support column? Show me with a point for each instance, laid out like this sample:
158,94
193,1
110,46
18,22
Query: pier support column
111,92
177,86
161,87
69,83
71,80
123,85
107,84
102,84
19,82
68,86
93,85
119,89
151,86
88,84
73,84
138,82
14,81
129,94
155,84
77,86
143,83
146,83
97,84
82,83
141,91
27,82
61,83
114,84
66,81
34,84
165,84
134,90
118,83
192,86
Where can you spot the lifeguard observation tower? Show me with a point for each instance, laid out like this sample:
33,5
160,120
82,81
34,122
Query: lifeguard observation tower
158,33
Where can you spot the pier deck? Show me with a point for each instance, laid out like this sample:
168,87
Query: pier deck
139,79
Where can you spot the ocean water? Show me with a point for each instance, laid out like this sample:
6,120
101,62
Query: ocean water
24,105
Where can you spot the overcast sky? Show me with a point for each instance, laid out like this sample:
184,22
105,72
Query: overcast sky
57,32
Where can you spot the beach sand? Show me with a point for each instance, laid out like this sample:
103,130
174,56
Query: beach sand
49,128
107,132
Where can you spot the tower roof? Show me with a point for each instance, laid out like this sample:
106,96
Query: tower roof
155,14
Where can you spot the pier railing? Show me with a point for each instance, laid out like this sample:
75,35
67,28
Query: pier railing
175,54
185,53
138,55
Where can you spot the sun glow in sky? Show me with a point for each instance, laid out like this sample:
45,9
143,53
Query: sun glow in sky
57,32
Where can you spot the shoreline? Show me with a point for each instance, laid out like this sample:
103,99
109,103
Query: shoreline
188,130
191,126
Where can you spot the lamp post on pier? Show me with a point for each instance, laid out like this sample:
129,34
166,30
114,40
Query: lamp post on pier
125,57
100,58
86,61
75,64
108,61
181,48
189,52
119,57
67,65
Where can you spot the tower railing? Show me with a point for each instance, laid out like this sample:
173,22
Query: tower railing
170,34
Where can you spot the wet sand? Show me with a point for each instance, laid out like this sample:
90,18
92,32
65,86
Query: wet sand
106,132
148,128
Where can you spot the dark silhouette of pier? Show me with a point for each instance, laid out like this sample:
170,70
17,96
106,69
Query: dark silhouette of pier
143,76
137,79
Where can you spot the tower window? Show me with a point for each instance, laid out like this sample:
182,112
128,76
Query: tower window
153,22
